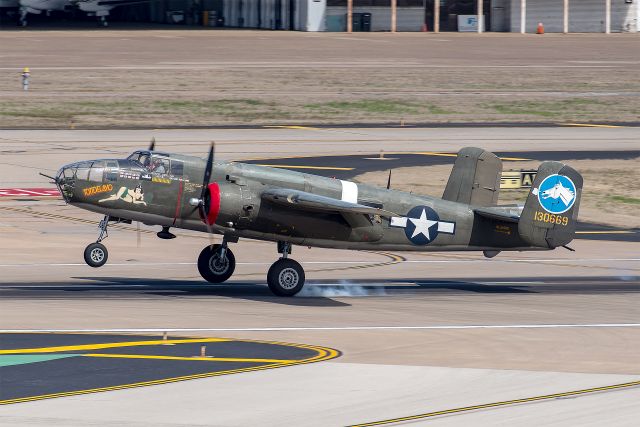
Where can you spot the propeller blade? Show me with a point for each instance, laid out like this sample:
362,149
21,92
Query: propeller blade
152,145
207,171
389,180
138,240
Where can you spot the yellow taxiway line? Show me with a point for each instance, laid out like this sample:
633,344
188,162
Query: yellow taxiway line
101,346
290,127
430,153
323,353
498,404
308,167
197,359
590,125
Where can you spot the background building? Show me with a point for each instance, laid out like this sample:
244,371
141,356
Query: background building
374,15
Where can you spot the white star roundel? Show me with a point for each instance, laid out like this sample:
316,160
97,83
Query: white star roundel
422,225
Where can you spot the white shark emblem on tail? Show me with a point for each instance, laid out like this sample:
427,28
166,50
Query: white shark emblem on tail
559,191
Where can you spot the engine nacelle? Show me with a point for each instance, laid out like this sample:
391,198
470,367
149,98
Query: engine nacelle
224,204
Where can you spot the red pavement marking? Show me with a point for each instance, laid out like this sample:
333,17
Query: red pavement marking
26,192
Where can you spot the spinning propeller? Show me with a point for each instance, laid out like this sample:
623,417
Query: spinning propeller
207,214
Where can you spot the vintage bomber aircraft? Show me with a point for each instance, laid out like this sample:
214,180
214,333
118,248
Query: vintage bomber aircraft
291,208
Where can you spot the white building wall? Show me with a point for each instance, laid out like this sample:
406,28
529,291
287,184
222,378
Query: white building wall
408,18
311,15
585,16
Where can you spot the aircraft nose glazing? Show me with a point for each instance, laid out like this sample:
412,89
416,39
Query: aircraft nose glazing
65,180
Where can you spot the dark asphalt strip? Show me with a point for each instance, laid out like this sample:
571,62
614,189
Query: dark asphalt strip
620,282
33,366
362,163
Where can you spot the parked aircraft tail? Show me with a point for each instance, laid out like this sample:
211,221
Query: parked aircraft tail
551,210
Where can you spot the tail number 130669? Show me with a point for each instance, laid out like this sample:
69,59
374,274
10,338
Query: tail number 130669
550,218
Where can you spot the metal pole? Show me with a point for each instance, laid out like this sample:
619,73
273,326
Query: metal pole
394,15
349,16
607,17
480,15
565,17
436,16
523,16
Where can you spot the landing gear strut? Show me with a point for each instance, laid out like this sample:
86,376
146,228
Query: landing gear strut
216,263
286,276
96,254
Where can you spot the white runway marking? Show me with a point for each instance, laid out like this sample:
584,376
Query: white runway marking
339,328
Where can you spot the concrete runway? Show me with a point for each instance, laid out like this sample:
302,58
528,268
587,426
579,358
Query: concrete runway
22,150
418,332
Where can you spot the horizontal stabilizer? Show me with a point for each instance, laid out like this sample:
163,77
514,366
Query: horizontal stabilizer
501,213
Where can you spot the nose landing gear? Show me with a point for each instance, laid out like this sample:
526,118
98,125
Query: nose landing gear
96,254
286,276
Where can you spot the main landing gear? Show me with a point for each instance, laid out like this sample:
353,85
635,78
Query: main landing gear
285,278
216,263
96,254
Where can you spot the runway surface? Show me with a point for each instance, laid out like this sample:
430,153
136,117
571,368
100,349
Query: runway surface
418,333
22,150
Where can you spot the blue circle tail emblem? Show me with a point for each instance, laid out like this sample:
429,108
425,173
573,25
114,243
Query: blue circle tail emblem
422,225
557,194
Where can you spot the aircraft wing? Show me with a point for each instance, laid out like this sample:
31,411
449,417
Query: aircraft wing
313,202
502,213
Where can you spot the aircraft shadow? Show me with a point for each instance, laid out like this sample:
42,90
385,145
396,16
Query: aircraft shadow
322,293
185,288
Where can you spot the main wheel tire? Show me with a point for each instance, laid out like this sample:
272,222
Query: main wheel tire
214,269
285,277
96,255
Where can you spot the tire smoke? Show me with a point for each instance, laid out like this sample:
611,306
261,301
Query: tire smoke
344,288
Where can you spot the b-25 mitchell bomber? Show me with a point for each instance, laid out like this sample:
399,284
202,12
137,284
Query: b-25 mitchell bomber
239,200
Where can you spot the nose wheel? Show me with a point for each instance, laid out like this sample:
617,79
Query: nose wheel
96,254
286,276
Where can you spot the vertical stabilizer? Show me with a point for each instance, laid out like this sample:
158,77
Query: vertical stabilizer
551,211
475,178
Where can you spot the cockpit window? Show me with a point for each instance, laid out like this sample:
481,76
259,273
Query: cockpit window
177,168
82,171
97,171
159,165
111,172
142,157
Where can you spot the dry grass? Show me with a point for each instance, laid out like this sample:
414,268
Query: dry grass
103,98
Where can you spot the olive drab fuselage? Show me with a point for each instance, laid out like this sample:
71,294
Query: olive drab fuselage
160,188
